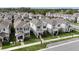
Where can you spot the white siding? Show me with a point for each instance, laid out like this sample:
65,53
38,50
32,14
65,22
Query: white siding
78,20
33,26
49,26
63,25
5,31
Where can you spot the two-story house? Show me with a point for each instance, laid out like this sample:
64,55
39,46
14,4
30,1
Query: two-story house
38,27
22,29
76,15
4,30
69,17
55,25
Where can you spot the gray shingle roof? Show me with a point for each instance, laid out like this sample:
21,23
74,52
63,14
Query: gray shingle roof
4,34
55,21
4,24
23,24
37,22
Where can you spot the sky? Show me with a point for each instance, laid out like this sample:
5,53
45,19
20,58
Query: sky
38,3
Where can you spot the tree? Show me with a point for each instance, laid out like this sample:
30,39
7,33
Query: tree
12,34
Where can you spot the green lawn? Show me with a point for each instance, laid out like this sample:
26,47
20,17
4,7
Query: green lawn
45,37
8,45
68,34
39,46
76,24
62,40
32,48
32,39
48,36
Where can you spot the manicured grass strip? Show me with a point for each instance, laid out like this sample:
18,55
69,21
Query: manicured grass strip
32,48
9,45
61,40
39,46
32,39
48,36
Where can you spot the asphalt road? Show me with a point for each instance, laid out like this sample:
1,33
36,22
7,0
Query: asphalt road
69,45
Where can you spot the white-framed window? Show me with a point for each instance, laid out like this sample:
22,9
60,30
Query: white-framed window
26,29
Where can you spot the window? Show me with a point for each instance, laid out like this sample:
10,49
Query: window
22,20
25,17
27,20
58,25
17,28
34,17
4,29
26,33
44,26
53,24
38,26
9,18
26,28
37,17
20,28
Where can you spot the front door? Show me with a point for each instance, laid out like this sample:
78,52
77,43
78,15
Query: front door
55,33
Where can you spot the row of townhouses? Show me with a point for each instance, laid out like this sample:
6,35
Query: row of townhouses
39,24
71,17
